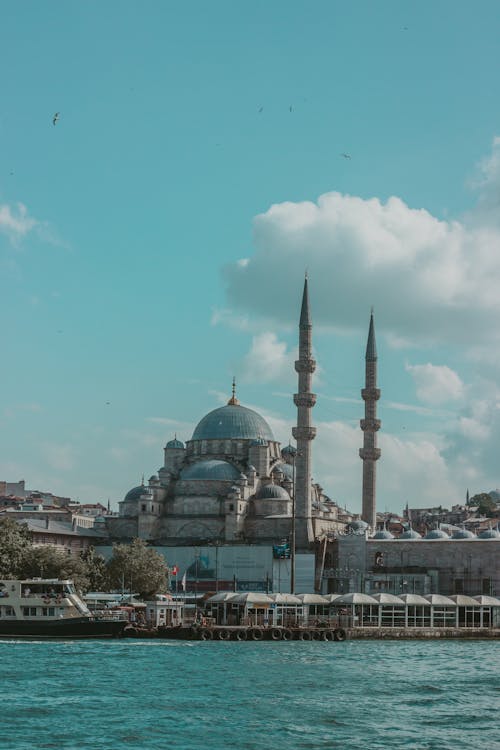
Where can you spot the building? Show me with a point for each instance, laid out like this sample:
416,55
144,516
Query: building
232,482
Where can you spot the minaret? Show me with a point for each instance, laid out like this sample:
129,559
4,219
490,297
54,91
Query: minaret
304,433
370,426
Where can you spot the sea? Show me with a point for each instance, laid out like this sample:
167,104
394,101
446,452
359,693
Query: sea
145,694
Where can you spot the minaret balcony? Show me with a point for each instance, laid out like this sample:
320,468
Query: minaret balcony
370,394
304,399
370,425
304,433
305,364
370,454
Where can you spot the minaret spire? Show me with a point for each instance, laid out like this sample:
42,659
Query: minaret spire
304,433
370,426
233,401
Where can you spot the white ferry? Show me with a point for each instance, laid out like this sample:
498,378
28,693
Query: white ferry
49,608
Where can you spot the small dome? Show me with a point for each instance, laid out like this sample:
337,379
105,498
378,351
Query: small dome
176,444
252,469
463,534
272,492
259,441
99,519
213,469
289,450
285,469
232,421
410,534
383,534
436,534
490,534
135,493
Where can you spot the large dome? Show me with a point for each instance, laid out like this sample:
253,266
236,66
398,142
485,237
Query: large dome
232,421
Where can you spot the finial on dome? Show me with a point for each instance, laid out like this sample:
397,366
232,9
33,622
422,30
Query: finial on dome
233,401
142,481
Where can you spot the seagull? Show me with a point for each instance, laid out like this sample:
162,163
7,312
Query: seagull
346,156
55,118
290,107
261,110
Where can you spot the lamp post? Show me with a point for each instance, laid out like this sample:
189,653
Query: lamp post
292,539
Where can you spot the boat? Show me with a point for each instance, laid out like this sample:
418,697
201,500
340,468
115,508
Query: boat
50,608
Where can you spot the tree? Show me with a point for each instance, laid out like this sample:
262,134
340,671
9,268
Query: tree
47,561
137,567
15,542
486,506
96,569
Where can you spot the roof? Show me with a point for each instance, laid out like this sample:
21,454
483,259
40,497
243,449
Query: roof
440,600
233,421
213,469
371,347
312,599
356,598
272,491
39,525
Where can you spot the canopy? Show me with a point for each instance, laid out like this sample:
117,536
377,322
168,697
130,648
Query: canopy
414,599
221,596
252,597
440,600
384,598
487,601
356,599
312,599
285,599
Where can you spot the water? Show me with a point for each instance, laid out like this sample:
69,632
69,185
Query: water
105,695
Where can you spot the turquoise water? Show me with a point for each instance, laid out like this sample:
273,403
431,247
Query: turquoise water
105,695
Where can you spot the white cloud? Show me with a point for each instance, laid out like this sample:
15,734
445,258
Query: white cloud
15,222
268,360
436,384
430,280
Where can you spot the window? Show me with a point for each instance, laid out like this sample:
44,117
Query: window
143,507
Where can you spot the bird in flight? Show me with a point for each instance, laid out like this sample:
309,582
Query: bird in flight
55,118
290,107
261,109
346,156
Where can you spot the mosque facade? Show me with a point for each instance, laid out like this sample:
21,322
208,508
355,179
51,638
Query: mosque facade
232,482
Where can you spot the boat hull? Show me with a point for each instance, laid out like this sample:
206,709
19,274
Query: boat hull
72,627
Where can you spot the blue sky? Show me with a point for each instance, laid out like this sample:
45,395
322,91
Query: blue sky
153,242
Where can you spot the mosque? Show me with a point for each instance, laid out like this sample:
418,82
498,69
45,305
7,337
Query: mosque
233,483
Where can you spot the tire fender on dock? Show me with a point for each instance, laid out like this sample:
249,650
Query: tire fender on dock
256,634
241,635
328,635
287,635
223,635
339,634
305,635
276,634
206,635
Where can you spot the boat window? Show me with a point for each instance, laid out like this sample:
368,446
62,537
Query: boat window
29,611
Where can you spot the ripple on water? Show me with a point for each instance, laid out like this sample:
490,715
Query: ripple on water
150,695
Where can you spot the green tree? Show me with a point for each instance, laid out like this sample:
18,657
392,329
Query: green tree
47,561
15,543
96,569
485,504
138,568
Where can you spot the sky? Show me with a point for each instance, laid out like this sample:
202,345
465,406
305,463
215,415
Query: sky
154,240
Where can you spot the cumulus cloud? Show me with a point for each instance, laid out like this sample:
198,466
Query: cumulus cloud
430,280
436,384
268,359
15,222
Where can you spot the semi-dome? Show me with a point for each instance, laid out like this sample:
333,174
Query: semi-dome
213,469
490,534
383,534
436,534
272,492
178,444
463,534
233,421
289,450
135,493
410,534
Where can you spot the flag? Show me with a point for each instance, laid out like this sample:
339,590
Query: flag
174,570
183,582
